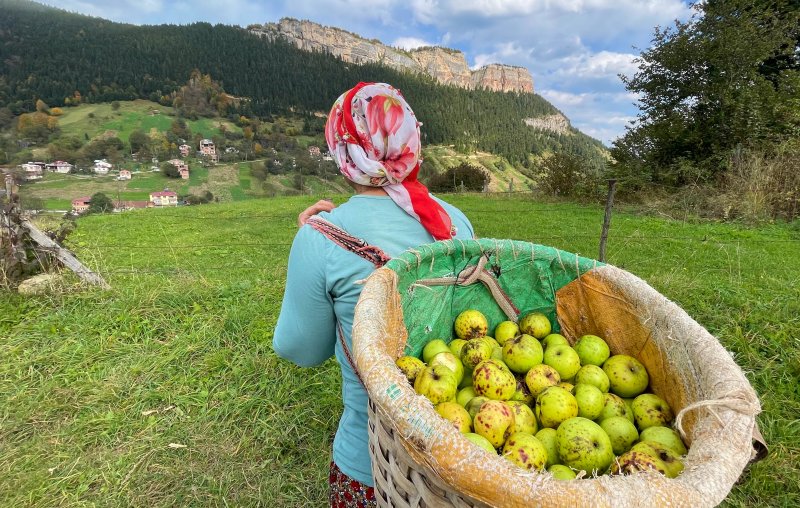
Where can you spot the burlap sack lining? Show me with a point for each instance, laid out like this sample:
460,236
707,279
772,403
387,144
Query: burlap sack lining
687,364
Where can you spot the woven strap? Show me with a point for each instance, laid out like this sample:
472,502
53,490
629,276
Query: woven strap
349,242
359,247
478,273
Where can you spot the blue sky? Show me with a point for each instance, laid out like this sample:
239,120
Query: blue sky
575,49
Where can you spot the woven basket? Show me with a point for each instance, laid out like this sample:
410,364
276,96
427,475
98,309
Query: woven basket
420,460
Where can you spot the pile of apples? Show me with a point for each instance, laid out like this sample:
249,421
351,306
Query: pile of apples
528,395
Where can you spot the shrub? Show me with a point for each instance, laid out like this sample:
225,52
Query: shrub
465,177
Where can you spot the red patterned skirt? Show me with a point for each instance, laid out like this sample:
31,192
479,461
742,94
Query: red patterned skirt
346,492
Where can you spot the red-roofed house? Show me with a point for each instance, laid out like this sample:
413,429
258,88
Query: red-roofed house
124,174
80,205
164,198
208,149
182,168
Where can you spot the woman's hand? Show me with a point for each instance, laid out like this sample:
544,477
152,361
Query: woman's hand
323,205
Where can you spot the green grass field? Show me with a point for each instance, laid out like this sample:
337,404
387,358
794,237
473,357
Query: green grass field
165,390
97,119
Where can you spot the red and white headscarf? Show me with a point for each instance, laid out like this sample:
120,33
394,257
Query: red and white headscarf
374,138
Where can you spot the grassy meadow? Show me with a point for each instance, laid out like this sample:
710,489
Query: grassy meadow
165,391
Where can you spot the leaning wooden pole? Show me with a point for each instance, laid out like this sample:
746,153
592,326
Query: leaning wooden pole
64,255
612,185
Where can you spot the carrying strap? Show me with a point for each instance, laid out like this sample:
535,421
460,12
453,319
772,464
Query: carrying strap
357,246
349,242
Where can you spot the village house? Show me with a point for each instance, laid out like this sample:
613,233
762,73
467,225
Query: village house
182,168
314,151
207,149
164,198
59,167
185,149
33,171
102,167
122,206
80,205
124,174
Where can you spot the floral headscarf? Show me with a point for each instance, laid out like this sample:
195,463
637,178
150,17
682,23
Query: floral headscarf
374,138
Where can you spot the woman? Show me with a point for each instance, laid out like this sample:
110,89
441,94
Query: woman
374,138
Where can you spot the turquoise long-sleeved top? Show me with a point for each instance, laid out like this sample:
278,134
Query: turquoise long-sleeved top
321,288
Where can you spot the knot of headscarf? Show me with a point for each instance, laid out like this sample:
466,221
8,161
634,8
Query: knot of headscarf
374,137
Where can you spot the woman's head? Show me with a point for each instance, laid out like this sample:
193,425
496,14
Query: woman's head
373,135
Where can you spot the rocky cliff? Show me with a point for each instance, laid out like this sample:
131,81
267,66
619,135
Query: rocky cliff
554,123
447,66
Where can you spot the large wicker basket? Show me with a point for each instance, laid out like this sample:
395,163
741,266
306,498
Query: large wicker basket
418,459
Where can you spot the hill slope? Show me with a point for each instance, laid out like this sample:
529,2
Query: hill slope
50,54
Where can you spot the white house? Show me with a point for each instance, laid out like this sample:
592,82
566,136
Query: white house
124,174
32,171
59,167
102,167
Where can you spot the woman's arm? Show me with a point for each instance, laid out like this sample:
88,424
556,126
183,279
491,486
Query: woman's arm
306,329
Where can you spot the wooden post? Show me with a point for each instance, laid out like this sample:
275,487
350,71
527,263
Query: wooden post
612,185
64,256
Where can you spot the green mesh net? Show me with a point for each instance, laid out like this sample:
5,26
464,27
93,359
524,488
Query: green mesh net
529,274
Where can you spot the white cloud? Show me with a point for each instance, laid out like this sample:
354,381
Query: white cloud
410,43
604,64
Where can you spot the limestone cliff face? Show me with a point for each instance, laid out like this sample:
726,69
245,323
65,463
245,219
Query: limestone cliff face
445,65
555,123
503,78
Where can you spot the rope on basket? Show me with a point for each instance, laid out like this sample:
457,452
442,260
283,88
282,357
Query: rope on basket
738,401
478,273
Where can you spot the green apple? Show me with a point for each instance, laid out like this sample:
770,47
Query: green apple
455,414
614,406
632,462
547,436
522,352
465,395
666,436
650,410
474,405
481,441
554,339
590,400
621,432
456,345
522,393
471,324
467,379
564,359
491,341
525,451
491,380
592,350
561,472
627,375
671,459
584,445
593,375
567,386
494,421
524,419
474,352
497,353
535,324
450,361
433,348
504,331
540,377
555,405
410,366
437,383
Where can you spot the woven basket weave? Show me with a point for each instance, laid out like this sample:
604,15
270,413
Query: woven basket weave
419,459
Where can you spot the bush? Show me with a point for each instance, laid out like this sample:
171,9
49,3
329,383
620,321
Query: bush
464,177
567,175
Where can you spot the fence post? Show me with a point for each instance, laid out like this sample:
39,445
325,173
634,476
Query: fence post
612,185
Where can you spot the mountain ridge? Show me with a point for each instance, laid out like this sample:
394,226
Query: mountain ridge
447,66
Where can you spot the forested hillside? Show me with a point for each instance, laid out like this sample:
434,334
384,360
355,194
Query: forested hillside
48,54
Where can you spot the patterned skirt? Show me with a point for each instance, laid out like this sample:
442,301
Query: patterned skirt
346,492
